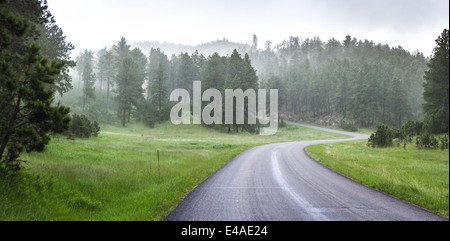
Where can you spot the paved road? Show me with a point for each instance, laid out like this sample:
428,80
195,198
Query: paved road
280,182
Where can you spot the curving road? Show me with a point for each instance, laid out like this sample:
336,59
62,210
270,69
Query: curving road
280,182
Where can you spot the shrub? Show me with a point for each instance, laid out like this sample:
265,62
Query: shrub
427,141
348,125
82,127
96,129
382,137
149,114
444,142
411,129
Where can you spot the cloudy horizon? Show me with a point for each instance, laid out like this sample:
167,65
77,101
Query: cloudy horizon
94,24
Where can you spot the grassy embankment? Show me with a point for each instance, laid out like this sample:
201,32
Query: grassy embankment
116,176
417,176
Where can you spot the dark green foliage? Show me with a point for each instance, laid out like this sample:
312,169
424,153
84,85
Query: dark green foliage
382,137
129,80
88,84
78,202
95,129
444,142
158,75
426,141
361,81
241,75
438,122
42,30
436,87
213,72
149,119
187,72
129,89
12,26
149,113
348,125
121,51
27,116
412,128
159,87
54,46
281,123
82,127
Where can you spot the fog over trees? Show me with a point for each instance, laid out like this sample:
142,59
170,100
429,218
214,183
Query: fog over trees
356,82
351,80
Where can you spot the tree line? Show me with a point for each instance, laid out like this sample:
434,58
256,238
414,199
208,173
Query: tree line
121,83
358,81
361,82
435,106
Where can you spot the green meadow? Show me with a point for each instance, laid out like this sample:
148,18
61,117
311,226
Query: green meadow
117,176
417,176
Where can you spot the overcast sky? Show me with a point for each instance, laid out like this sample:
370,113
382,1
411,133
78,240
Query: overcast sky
93,24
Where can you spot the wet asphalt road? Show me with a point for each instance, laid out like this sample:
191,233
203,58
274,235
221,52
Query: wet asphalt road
280,182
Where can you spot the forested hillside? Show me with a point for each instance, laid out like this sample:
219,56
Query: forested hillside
358,80
355,81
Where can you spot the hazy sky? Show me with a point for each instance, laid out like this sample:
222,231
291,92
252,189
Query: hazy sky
93,24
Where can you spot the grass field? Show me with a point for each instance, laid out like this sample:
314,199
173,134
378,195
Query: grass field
417,176
116,176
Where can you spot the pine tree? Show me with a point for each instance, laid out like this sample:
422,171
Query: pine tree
250,81
250,77
233,80
27,115
399,106
159,86
129,88
84,57
54,46
156,58
198,60
106,68
234,71
141,60
121,51
187,72
240,75
43,31
88,84
213,73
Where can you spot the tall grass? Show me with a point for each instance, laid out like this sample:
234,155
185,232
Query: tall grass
116,176
417,176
